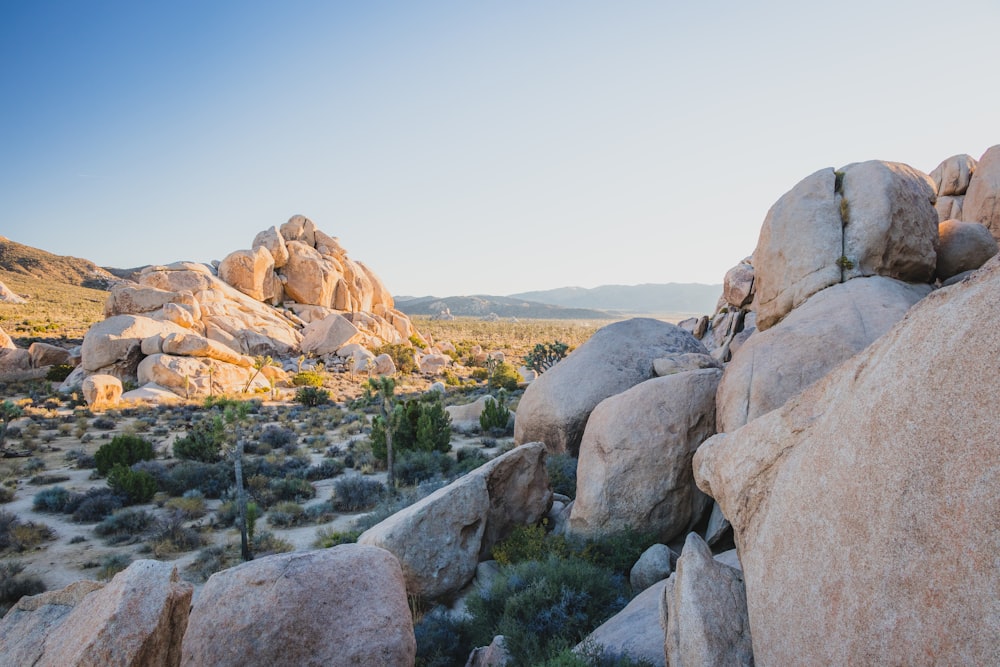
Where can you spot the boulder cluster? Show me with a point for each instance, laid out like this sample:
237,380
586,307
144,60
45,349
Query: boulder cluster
189,329
831,405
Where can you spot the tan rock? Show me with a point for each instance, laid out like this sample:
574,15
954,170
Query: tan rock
982,199
949,208
182,316
299,228
117,340
635,631
952,176
328,335
101,391
963,246
340,606
44,354
824,331
131,299
892,459
555,407
250,271
798,248
190,377
192,345
7,295
465,417
891,225
704,611
655,564
679,363
737,287
274,243
635,458
384,365
310,277
137,619
433,364
5,342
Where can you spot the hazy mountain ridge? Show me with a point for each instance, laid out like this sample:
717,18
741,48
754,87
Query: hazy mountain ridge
646,298
482,305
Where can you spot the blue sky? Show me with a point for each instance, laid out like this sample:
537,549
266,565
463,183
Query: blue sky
469,147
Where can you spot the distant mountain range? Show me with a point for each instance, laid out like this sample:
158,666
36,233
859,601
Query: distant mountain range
604,302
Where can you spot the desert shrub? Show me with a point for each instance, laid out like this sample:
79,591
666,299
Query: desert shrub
415,467
480,374
14,584
469,459
112,565
442,639
320,512
308,379
292,488
327,537
94,505
135,486
617,552
287,514
392,503
171,536
266,543
312,396
277,437
527,543
495,416
354,493
17,535
6,494
124,525
418,424
325,469
203,441
543,607
504,376
212,479
402,356
562,473
41,480
104,423
191,505
53,500
123,450
208,561
593,655
59,372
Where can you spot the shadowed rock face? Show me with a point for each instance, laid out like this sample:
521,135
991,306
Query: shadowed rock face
982,199
556,406
893,461
340,606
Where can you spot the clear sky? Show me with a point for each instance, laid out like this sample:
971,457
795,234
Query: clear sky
469,147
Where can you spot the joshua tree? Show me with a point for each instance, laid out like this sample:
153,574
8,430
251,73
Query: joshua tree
383,388
545,355
235,416
259,362
8,413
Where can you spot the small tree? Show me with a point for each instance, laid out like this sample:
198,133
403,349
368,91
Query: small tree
8,413
383,389
495,415
259,363
235,416
545,355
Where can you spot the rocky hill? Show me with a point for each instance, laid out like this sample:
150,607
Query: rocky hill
678,298
23,260
500,306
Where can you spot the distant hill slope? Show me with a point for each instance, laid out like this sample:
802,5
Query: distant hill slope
32,262
483,305
648,298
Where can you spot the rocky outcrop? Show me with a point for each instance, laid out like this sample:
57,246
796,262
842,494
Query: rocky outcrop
704,611
635,631
556,406
890,459
963,246
871,218
252,272
635,458
340,606
982,199
326,336
825,330
116,342
137,619
9,296
440,539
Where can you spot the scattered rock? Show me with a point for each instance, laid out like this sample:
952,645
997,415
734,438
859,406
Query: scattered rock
252,272
340,606
963,246
635,459
554,408
433,364
655,564
900,427
5,342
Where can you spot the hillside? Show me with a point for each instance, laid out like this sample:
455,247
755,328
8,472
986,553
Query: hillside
691,298
484,305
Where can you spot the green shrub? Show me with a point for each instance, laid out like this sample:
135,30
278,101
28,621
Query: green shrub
308,379
495,416
416,467
418,424
203,441
292,488
135,485
191,505
312,396
617,552
355,493
124,525
123,450
327,537
286,515
171,536
442,639
14,584
7,495
212,479
278,437
527,543
59,372
543,607
504,376
53,500
94,505
562,473
593,655
402,356
325,469
480,374
112,565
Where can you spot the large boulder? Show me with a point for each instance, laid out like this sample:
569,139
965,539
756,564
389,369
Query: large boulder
191,377
440,539
45,354
655,564
635,458
635,631
890,225
310,277
800,242
738,287
340,606
963,246
326,336
556,406
891,459
465,417
132,299
704,611
116,342
101,391
982,199
193,345
137,619
952,176
274,243
251,272
830,327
